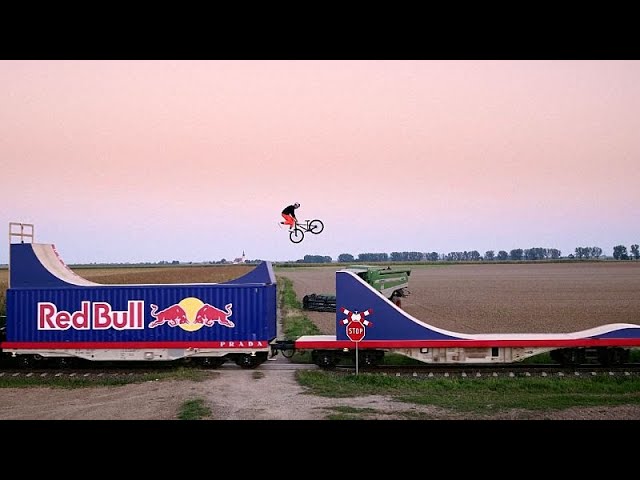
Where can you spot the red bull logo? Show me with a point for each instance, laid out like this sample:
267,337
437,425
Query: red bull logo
208,315
191,314
173,315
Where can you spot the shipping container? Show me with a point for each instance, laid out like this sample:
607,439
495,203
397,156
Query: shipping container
54,313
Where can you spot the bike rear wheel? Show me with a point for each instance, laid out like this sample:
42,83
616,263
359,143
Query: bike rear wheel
316,226
296,235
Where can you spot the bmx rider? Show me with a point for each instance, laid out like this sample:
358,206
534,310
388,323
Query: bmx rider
289,215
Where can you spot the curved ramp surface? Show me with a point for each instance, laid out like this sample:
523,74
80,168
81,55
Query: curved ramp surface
263,273
39,265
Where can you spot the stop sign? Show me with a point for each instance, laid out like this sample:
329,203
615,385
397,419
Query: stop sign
355,331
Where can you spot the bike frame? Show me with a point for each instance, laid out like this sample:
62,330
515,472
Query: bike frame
297,234
303,226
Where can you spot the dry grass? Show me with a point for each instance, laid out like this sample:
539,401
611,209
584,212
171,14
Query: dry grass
160,275
164,275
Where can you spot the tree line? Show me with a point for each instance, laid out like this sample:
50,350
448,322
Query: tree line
517,254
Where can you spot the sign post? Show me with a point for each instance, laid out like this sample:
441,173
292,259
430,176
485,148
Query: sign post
355,332
356,323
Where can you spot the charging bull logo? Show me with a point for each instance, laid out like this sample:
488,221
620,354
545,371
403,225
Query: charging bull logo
208,315
191,314
173,315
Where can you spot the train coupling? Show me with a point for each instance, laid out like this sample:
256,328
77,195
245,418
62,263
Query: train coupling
287,347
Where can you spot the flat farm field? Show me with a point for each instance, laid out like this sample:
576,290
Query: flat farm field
151,275
169,274
502,298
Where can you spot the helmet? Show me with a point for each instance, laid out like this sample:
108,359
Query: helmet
296,205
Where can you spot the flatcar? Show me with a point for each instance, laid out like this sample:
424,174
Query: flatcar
55,314
372,325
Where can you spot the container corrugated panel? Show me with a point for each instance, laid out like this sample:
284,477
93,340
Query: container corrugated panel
126,313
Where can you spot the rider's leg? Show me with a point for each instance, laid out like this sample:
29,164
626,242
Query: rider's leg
289,220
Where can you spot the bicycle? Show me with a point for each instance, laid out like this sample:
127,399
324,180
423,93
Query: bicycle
314,226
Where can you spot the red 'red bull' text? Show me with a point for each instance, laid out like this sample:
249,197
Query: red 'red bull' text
96,316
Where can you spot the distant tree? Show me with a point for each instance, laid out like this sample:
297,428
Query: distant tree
345,258
432,256
555,253
489,255
406,256
465,256
537,253
316,259
516,254
373,257
620,252
588,252
502,255
635,251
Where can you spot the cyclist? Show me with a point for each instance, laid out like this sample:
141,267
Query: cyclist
289,215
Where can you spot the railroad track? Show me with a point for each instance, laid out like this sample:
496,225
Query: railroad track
416,371
492,371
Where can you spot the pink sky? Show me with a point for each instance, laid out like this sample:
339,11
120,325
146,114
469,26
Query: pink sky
194,160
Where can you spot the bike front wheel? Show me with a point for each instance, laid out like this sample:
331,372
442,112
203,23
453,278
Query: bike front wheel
316,226
296,235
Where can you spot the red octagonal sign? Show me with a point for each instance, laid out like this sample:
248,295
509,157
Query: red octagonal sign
355,331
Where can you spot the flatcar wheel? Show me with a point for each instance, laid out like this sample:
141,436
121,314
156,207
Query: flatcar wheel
247,361
64,362
211,362
370,359
613,356
325,360
568,356
24,361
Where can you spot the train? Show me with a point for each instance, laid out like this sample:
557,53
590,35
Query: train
54,314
